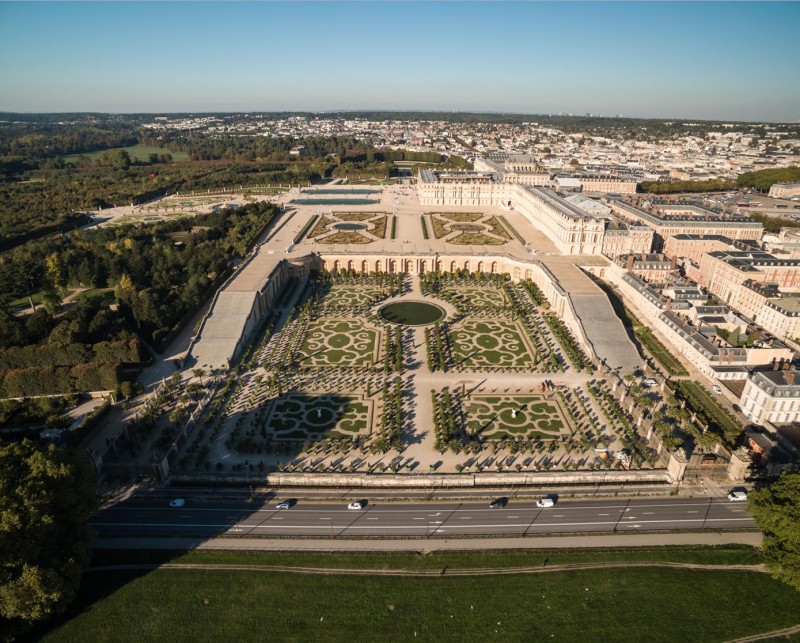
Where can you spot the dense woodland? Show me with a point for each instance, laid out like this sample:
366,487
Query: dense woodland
764,179
157,275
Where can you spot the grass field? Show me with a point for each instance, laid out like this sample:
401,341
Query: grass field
137,153
653,604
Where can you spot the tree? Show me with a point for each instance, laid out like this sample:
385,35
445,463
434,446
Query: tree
776,510
46,497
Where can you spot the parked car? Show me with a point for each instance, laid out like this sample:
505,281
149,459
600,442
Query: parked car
648,382
358,504
717,389
285,504
498,503
177,502
738,495
543,503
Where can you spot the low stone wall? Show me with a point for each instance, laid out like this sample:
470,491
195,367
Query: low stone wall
440,481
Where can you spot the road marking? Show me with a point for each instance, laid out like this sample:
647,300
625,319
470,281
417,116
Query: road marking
372,519
692,512
465,517
648,513
603,514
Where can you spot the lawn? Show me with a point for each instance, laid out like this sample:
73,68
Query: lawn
591,605
137,153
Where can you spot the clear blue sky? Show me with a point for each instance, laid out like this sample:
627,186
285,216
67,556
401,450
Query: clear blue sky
726,60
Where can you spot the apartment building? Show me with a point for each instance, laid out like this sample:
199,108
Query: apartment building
772,396
666,225
784,190
623,238
694,246
723,272
649,266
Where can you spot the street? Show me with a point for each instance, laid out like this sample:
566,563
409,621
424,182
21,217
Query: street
202,517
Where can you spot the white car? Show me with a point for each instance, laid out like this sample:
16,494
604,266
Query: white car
286,504
739,495
545,502
648,382
717,390
358,504
177,502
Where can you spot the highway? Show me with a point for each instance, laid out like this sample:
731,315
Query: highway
203,517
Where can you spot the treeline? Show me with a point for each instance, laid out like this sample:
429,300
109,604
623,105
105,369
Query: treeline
114,352
51,200
202,147
763,180
773,224
677,187
41,141
390,155
52,380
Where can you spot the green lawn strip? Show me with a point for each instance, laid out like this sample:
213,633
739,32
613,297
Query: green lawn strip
589,605
139,153
659,351
719,555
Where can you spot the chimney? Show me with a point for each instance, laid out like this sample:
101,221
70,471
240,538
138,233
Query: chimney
673,263
775,365
669,303
787,365
629,263
789,377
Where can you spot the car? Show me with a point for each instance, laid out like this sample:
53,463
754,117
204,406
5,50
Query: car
358,504
738,495
648,382
177,502
285,504
717,389
498,503
543,503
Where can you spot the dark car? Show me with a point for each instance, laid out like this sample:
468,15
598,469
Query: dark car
498,503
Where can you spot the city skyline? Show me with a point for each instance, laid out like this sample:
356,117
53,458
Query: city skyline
714,61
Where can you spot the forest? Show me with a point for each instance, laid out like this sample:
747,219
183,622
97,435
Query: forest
157,275
763,180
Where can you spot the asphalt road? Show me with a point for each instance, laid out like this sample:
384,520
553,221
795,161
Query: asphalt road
201,517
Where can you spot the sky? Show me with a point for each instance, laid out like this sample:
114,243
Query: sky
722,60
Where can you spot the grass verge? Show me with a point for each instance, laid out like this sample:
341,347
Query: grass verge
592,605
721,555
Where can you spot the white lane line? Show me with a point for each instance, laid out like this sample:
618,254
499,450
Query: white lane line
472,526
648,513
372,518
465,517
603,514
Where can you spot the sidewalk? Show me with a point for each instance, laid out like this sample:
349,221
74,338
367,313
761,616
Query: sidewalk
436,544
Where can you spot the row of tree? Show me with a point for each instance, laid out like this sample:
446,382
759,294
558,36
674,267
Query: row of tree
55,380
115,352
763,180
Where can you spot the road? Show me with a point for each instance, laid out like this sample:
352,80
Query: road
202,517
